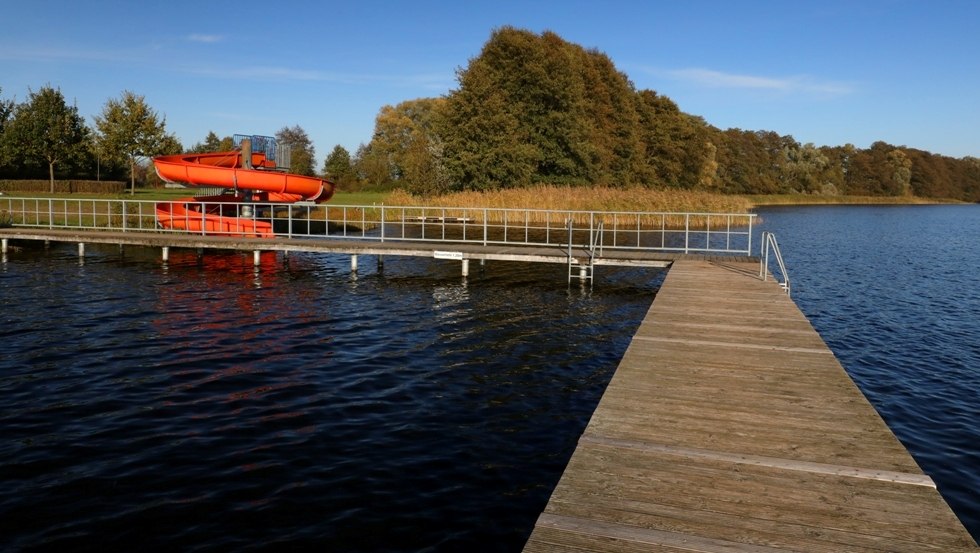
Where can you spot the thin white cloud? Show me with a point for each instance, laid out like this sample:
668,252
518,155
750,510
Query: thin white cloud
208,39
791,84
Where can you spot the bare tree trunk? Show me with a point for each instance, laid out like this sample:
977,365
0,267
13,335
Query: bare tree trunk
51,174
132,176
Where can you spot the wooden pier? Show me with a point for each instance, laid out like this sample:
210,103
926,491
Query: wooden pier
730,426
462,252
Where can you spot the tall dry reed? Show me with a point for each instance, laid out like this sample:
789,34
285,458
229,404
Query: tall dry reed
585,199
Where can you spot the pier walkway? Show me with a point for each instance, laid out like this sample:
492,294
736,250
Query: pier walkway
730,426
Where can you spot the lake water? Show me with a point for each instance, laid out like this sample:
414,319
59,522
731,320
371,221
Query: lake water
204,405
207,406
895,293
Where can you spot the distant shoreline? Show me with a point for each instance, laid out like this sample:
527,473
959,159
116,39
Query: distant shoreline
807,199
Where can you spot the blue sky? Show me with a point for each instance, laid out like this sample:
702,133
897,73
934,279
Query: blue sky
829,72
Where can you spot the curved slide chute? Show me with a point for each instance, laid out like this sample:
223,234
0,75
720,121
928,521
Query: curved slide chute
248,178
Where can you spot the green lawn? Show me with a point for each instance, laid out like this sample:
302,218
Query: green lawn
340,198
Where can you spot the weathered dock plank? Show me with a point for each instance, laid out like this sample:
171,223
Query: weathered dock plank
730,426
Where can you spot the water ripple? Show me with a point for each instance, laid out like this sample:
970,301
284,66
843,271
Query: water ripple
203,405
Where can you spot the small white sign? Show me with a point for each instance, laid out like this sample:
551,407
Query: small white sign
447,255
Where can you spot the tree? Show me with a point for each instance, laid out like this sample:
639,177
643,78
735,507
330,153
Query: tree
211,144
407,138
302,153
131,129
372,168
6,111
677,151
536,109
338,167
804,167
46,128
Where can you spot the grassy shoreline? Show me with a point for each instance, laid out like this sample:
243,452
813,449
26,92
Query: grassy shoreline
557,198
806,199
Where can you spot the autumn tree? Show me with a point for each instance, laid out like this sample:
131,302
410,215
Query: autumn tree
407,139
337,167
677,150
45,128
373,168
211,143
301,150
6,111
129,128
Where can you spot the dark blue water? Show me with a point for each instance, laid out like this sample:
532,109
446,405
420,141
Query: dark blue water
206,406
895,292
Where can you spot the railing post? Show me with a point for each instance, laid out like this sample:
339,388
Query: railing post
485,213
687,232
382,223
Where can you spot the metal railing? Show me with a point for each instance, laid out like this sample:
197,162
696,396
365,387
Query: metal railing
711,233
769,244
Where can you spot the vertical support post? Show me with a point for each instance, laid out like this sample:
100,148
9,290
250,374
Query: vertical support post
382,223
581,271
353,263
166,254
466,267
3,245
381,263
246,147
256,258
687,232
81,249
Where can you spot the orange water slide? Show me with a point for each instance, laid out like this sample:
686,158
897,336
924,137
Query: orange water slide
259,180
225,169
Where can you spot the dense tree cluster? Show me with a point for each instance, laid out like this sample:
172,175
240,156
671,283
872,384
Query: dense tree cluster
530,108
533,108
44,136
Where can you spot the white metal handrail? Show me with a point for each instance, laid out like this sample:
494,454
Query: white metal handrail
769,243
703,233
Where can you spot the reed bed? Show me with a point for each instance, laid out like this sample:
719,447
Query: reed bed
526,203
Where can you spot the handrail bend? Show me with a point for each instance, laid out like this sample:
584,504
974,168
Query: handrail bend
769,243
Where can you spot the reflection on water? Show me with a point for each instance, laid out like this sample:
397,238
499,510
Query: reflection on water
205,403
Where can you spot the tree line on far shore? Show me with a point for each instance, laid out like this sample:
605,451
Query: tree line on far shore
533,108
529,109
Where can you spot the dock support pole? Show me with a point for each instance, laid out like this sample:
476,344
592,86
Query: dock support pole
166,254
381,263
3,248
256,257
466,267
81,249
353,263
581,272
